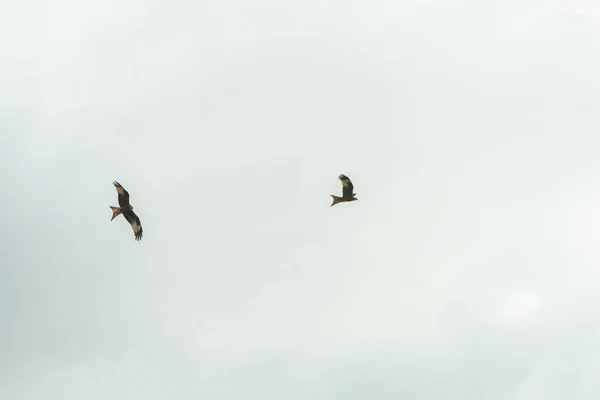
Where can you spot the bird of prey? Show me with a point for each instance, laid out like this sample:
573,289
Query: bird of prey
347,191
127,210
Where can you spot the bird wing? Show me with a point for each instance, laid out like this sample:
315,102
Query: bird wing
347,186
123,195
135,223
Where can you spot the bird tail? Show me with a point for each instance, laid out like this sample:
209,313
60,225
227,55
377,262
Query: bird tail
336,199
115,212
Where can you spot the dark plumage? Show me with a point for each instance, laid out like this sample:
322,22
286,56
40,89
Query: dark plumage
127,210
347,191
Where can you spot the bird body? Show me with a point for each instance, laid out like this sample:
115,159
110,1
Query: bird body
127,210
347,191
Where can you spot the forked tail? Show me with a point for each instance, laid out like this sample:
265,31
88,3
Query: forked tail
336,199
116,211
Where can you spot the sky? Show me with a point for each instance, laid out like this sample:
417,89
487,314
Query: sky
468,269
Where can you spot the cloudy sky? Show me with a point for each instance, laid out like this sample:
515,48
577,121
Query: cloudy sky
468,269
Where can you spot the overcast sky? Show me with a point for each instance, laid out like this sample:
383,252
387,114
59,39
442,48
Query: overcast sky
468,269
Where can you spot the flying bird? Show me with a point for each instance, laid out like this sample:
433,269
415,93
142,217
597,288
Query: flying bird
347,191
127,210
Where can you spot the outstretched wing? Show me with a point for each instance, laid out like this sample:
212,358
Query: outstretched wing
347,186
123,195
135,223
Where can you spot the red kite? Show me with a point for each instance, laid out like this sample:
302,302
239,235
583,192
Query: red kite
127,211
347,191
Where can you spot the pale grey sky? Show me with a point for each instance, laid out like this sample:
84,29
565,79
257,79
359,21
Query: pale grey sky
468,269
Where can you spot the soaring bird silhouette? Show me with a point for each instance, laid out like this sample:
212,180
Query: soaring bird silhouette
127,210
347,191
